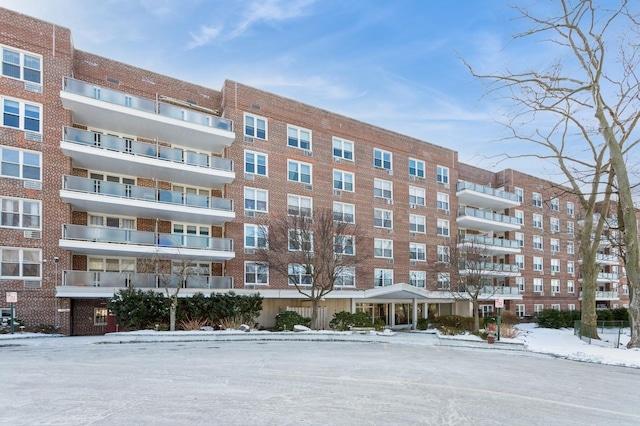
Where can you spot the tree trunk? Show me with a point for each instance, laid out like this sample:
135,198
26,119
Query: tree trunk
314,312
634,316
588,315
172,313
476,315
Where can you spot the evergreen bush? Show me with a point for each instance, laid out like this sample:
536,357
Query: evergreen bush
285,320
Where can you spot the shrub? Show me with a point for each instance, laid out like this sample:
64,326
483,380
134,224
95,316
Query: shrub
620,314
509,331
454,321
193,324
423,324
285,320
552,318
379,324
509,318
344,320
136,310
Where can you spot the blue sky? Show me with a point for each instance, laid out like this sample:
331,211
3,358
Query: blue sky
395,64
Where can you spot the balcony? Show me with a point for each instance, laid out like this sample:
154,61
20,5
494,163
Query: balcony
97,151
121,199
485,197
488,269
90,284
490,245
605,277
104,241
109,109
489,290
605,295
486,221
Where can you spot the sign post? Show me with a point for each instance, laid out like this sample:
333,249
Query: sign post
499,306
12,297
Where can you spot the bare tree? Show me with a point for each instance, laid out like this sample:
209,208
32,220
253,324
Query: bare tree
582,112
466,270
313,252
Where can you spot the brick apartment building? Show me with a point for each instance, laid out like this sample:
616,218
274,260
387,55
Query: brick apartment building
104,165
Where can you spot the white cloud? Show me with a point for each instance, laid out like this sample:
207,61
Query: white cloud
205,36
270,11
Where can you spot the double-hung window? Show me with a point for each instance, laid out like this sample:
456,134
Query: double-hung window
444,254
417,251
555,285
443,281
383,189
20,164
343,181
21,65
519,215
345,277
256,273
520,261
537,242
20,263
383,277
554,245
443,201
442,174
256,199
571,287
382,159
383,248
538,264
416,168
342,149
417,196
298,275
442,228
570,267
383,218
299,206
519,193
536,200
555,265
254,126
21,115
300,240
538,285
555,224
537,220
255,236
520,239
20,213
554,205
299,172
417,223
570,208
344,244
255,163
299,138
570,228
343,212
418,278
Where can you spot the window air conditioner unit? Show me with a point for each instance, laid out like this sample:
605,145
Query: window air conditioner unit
447,212
249,176
390,201
389,231
308,154
337,192
412,177
249,251
413,263
248,139
390,172
308,187
412,206
336,160
390,261
250,213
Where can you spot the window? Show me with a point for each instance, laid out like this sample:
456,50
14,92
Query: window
345,277
344,244
443,201
570,247
21,115
537,221
555,306
417,223
520,239
442,174
343,212
520,284
383,189
571,307
555,245
520,311
538,285
444,281
255,127
417,196
444,254
383,248
570,208
519,215
519,193
256,273
382,159
555,286
418,278
299,206
300,240
625,289
417,251
536,200
570,228
571,286
555,225
570,267
537,242
443,228
255,163
298,275
20,263
20,213
538,264
554,205
383,218
555,265
21,65
255,199
416,168
342,149
100,316
538,307
299,138
520,261
255,236
343,181
383,277
20,164
299,172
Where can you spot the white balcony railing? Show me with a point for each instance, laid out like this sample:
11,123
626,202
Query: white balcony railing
463,185
142,280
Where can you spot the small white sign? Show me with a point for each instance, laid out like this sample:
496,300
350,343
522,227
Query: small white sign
499,303
12,297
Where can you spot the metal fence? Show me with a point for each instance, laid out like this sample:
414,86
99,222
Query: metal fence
608,331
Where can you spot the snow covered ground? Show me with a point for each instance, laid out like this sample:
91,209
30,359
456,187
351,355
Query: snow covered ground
558,343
